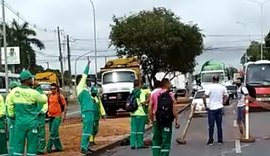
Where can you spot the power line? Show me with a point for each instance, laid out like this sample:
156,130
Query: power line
16,13
233,35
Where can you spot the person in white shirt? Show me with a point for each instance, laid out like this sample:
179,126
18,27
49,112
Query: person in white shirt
242,94
217,97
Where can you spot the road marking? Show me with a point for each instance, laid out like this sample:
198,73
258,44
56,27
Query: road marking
72,113
237,146
234,123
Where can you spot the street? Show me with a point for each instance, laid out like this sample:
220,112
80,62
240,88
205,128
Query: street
198,134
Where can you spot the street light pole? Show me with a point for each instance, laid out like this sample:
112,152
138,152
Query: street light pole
261,8
243,24
95,36
5,44
261,4
76,64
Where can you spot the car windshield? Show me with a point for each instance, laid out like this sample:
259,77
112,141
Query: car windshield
45,86
119,76
208,77
258,74
199,95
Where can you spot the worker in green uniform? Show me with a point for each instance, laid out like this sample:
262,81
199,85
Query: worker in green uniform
22,104
3,133
11,121
87,111
43,108
98,113
145,99
137,120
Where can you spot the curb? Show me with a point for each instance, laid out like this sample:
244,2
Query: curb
116,143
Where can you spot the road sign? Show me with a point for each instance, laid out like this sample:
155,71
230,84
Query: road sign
13,55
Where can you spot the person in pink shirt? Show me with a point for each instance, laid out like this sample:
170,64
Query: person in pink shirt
162,129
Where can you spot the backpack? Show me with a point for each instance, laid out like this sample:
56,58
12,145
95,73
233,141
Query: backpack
132,104
59,101
164,113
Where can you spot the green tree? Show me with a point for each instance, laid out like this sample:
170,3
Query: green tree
254,51
230,72
159,39
24,37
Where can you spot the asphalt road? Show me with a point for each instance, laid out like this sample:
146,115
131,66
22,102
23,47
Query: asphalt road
198,134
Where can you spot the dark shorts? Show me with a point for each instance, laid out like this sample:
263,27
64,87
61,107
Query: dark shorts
241,114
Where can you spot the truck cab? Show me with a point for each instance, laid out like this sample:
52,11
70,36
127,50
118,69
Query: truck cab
117,79
257,75
117,84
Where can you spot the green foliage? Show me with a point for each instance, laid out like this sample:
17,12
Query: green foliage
254,51
159,39
230,72
24,37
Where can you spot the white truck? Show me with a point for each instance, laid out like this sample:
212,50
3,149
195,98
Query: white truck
117,82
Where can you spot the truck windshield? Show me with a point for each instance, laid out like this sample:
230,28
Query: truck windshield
258,74
119,76
208,77
45,86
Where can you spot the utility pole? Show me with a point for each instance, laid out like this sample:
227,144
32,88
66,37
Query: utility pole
5,44
69,62
60,58
95,36
48,65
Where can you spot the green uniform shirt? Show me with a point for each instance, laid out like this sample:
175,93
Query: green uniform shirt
42,107
22,103
84,97
139,112
2,107
99,109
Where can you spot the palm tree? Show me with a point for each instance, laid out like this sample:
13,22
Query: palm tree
24,37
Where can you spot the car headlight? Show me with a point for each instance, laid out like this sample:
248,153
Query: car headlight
105,96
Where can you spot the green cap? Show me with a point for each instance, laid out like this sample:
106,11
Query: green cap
13,84
144,86
94,90
25,75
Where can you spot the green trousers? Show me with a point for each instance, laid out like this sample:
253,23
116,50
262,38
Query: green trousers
95,130
161,142
11,123
137,131
41,133
54,139
3,137
87,129
25,131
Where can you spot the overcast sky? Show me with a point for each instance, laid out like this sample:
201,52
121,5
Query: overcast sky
217,18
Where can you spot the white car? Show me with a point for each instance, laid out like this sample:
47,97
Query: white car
198,100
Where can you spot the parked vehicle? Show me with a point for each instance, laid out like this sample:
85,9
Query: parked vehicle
180,93
11,77
232,91
117,82
213,68
198,100
257,76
